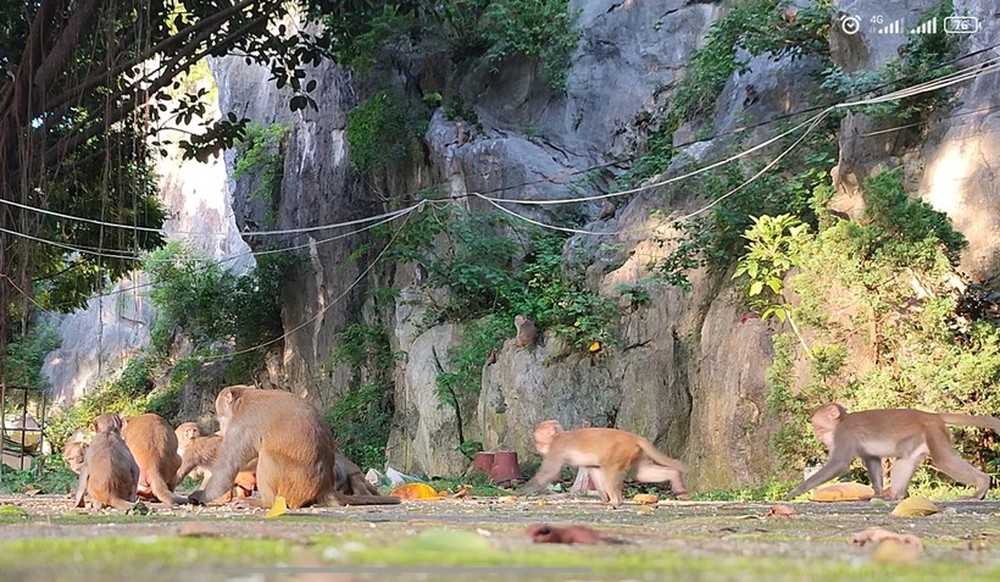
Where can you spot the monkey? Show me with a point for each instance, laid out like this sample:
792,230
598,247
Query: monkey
349,479
74,451
790,14
904,434
108,472
608,453
526,331
154,445
199,452
294,448
608,210
751,95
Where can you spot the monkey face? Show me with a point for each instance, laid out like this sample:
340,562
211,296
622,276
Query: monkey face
73,455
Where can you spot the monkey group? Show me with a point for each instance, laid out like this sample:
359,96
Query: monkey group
278,444
270,441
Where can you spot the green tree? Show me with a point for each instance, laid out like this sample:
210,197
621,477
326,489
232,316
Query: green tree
86,85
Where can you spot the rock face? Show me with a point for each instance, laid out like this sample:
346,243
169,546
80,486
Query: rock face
690,370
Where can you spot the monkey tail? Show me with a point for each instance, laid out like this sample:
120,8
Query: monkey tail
338,498
980,421
660,458
162,492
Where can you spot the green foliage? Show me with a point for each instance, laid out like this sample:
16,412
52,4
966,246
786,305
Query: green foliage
211,304
25,356
360,423
462,379
717,240
261,157
534,28
48,475
381,130
360,418
774,245
489,29
879,297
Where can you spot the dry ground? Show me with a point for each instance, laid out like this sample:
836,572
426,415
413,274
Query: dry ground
42,538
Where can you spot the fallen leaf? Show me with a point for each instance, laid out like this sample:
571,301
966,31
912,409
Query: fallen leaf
782,510
507,498
32,492
595,347
843,492
646,510
415,491
543,533
877,535
279,507
915,507
894,551
463,491
645,498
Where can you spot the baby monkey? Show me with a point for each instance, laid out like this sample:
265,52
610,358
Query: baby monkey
607,453
904,434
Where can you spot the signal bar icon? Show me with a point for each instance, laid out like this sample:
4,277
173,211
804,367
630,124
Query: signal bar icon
894,27
929,27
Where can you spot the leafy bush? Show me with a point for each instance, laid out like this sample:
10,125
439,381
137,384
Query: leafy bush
25,356
380,131
361,418
261,158
888,279
211,304
489,29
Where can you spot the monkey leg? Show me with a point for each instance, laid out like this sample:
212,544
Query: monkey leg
834,466
598,477
902,472
651,473
875,472
949,463
610,481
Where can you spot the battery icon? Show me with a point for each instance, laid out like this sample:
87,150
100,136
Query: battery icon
961,24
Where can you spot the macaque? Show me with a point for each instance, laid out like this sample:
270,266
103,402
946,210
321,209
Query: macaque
154,445
108,470
74,451
526,331
608,453
199,452
903,434
608,210
293,445
349,479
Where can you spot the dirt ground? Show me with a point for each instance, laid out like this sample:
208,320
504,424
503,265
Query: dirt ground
42,538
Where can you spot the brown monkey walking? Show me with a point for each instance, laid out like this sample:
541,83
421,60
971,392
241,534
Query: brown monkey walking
154,445
608,453
904,434
294,449
108,470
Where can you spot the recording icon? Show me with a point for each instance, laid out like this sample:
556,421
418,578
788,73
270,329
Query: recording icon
961,24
